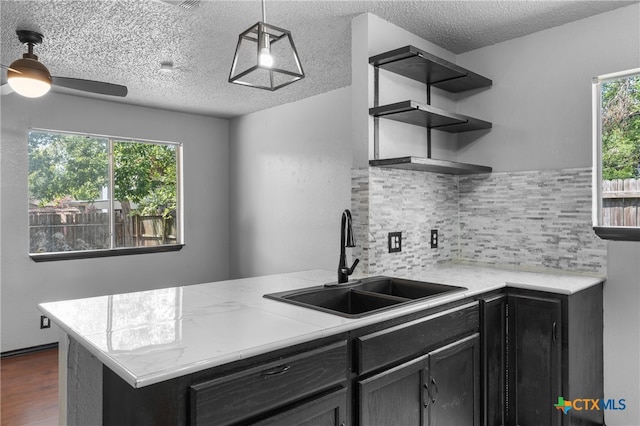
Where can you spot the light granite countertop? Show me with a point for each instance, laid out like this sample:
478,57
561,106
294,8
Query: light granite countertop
151,336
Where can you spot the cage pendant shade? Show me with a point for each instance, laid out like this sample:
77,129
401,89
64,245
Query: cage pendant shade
265,58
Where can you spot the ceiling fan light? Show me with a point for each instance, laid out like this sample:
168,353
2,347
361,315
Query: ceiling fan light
29,78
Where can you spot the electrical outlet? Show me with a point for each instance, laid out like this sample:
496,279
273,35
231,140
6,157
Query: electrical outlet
45,322
434,238
395,242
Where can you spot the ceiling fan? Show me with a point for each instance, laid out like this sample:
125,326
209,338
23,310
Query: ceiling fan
29,77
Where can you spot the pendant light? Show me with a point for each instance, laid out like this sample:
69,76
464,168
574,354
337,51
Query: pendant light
265,57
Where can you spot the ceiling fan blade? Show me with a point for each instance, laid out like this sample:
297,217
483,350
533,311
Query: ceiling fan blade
9,68
5,89
90,86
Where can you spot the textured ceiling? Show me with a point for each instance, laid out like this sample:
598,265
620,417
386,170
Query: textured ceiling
124,41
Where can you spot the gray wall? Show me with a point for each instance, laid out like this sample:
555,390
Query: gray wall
540,101
289,181
622,331
205,257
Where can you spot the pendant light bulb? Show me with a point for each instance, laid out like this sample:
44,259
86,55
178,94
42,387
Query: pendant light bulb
264,56
265,59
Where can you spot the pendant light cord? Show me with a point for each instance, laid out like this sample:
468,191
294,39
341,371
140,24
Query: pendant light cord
264,13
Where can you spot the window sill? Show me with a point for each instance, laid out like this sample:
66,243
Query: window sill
90,254
618,233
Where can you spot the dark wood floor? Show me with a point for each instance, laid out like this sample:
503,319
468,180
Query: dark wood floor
29,389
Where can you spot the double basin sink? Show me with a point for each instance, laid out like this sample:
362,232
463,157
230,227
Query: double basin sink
365,297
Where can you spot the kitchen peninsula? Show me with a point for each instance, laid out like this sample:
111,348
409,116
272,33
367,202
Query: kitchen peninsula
171,356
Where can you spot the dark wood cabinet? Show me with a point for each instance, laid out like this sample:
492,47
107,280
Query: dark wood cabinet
439,388
245,395
454,384
493,335
535,349
425,371
395,396
553,349
373,351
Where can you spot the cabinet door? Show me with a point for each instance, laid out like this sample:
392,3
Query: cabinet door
328,410
493,359
454,383
395,397
534,360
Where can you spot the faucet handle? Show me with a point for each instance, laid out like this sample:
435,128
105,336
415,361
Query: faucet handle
353,267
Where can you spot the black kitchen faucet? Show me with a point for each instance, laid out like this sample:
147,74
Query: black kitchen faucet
346,240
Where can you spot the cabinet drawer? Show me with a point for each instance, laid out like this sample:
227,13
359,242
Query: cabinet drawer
384,347
329,409
237,397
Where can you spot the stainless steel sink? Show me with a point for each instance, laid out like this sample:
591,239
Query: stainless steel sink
365,297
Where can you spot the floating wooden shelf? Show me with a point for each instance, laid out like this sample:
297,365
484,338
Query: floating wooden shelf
414,63
428,116
419,65
430,165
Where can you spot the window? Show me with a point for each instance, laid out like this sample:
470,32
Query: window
95,196
616,155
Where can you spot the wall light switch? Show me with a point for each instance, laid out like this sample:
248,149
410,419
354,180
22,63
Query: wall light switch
434,238
395,242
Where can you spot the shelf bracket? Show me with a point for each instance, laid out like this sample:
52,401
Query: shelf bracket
428,129
376,120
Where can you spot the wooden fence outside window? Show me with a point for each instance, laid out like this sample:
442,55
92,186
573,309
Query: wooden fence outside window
621,202
67,230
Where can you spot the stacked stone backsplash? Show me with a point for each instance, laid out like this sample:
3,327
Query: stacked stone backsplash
530,220
386,200
537,219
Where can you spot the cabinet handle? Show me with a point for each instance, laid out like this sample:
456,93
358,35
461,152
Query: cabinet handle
426,404
276,371
435,385
555,332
